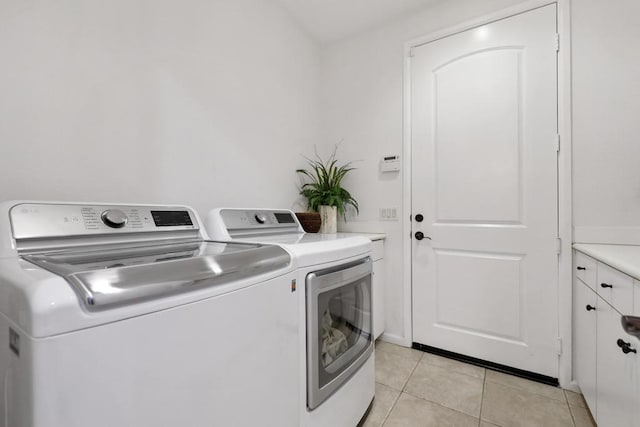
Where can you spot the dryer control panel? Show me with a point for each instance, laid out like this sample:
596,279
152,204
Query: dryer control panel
243,222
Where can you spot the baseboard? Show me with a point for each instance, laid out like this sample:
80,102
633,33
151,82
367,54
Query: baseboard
573,386
607,235
395,339
489,365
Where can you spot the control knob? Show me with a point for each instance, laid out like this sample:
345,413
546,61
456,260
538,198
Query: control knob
114,218
260,218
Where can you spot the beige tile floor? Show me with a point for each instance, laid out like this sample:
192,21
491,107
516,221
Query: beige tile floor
421,389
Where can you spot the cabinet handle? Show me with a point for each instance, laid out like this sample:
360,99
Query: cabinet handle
625,346
606,285
581,268
590,307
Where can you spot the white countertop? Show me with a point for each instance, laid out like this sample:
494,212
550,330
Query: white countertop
624,258
371,236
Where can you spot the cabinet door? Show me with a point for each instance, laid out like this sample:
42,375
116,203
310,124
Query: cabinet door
378,297
584,342
617,372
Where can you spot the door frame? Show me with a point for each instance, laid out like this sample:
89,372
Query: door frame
565,216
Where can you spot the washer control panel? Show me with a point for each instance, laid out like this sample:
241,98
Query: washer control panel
40,220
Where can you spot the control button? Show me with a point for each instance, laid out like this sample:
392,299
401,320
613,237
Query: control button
114,218
260,218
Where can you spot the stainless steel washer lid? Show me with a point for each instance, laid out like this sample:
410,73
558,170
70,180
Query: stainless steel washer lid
122,275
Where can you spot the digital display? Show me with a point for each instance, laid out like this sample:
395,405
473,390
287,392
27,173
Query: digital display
171,218
284,218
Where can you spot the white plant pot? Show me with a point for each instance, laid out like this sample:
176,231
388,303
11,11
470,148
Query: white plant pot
329,216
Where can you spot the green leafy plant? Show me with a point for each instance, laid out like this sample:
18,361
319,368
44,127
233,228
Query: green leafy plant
325,184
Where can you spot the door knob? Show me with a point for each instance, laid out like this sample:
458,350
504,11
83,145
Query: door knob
420,235
419,218
606,285
581,268
590,307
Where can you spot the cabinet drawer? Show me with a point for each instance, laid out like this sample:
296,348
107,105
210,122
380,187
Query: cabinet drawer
378,249
585,269
616,288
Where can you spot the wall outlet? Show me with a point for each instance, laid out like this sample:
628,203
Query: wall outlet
388,214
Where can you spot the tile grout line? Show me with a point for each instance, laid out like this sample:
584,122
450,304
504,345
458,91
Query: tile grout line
573,419
455,371
411,374
529,391
440,405
384,420
484,382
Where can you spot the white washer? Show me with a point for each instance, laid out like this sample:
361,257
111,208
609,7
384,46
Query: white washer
123,315
334,277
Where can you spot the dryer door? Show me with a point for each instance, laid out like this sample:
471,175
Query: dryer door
339,335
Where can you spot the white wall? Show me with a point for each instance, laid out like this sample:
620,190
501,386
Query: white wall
362,92
606,120
201,102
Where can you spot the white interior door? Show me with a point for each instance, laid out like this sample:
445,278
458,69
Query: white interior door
484,178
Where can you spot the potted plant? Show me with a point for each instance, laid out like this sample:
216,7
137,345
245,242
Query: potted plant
324,191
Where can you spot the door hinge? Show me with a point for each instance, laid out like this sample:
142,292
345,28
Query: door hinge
559,345
557,143
557,42
558,245
412,52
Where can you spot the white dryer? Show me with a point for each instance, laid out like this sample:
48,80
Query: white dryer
123,315
334,275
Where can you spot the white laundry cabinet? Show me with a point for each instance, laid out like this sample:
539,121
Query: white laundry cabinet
606,364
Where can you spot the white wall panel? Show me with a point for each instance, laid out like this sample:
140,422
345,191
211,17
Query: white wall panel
206,103
606,102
